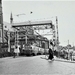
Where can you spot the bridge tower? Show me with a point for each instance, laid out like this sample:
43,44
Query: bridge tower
57,31
57,41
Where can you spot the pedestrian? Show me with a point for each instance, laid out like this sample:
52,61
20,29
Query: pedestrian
50,54
71,56
13,54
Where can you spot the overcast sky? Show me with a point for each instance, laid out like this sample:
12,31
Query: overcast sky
43,10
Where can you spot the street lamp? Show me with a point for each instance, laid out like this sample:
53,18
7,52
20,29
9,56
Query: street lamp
44,47
8,40
67,49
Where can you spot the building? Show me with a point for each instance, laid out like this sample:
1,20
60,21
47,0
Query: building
21,34
20,39
1,23
9,38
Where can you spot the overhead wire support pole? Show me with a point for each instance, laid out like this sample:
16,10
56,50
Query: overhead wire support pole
68,49
54,38
8,40
57,36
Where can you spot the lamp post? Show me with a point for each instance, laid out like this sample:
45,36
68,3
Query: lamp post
26,39
44,47
68,49
8,40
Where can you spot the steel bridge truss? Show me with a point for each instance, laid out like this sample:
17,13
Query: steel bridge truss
27,29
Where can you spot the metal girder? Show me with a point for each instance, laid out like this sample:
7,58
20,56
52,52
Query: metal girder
42,27
22,39
31,23
25,29
46,34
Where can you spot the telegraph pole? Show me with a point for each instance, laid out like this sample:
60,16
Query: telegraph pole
54,37
57,35
68,49
8,40
57,31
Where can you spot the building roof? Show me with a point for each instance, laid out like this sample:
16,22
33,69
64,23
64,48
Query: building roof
31,23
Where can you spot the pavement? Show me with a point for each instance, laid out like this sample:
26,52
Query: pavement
61,59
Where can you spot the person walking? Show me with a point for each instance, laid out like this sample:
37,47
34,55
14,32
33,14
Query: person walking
13,54
50,54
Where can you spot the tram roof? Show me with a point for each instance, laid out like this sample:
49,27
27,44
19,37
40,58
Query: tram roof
31,23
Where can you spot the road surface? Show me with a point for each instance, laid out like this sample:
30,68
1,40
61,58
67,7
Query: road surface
34,65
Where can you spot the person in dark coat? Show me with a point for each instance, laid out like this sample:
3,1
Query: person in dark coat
50,54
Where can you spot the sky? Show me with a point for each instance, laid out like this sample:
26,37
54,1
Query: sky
44,10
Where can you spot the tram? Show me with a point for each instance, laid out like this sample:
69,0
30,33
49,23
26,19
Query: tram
34,50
